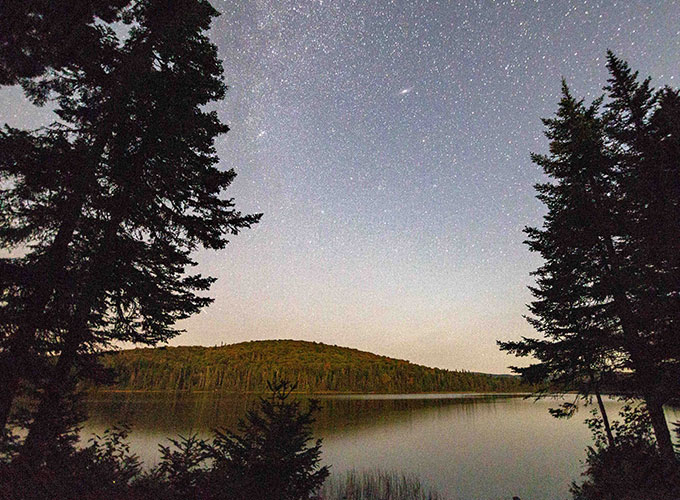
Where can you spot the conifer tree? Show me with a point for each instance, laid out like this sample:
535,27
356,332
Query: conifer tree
643,129
40,35
607,295
149,193
270,458
573,307
49,180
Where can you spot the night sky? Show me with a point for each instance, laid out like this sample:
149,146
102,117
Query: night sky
387,144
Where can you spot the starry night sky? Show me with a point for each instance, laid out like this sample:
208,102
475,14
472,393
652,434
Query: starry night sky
387,144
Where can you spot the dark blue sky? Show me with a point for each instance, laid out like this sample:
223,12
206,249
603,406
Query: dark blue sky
387,144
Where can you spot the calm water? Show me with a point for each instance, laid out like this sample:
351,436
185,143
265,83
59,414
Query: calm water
467,446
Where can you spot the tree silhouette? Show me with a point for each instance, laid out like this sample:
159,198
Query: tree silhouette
643,127
38,35
572,307
48,179
139,192
270,458
607,294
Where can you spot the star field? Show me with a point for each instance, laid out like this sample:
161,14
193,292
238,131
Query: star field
387,144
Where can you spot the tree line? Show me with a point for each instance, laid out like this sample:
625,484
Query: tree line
607,296
314,367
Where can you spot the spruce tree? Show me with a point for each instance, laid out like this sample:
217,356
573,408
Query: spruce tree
49,180
607,295
270,458
643,130
151,194
41,35
572,306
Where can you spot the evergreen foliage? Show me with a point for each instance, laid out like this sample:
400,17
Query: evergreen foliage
270,458
572,308
607,297
102,470
111,201
40,35
313,367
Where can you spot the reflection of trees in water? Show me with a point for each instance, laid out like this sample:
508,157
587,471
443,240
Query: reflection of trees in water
169,413
174,413
344,414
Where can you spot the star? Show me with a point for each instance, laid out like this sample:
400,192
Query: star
328,106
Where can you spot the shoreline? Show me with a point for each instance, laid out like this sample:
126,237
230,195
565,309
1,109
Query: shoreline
300,393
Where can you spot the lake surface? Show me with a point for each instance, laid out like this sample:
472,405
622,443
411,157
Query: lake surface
467,446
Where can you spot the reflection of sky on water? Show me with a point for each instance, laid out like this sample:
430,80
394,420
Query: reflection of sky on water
469,447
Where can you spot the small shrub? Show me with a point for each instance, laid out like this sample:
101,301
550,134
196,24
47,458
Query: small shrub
101,471
633,469
270,458
182,469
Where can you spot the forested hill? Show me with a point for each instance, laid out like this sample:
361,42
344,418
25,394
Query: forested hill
247,366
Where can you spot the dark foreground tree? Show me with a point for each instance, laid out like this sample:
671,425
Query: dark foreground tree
270,458
643,128
101,469
48,178
115,212
573,307
607,297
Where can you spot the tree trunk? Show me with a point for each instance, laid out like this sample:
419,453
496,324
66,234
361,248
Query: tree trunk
46,423
645,369
660,427
9,384
605,420
14,358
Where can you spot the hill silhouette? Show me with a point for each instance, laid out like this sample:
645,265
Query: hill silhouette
316,367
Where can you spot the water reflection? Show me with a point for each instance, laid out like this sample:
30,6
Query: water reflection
468,446
169,414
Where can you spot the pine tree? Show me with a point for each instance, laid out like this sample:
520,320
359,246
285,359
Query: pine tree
270,458
573,307
151,193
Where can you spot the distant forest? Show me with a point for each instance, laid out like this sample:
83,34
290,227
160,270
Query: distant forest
246,367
